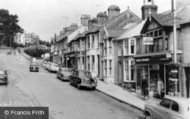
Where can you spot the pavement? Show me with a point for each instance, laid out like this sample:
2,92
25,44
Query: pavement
120,94
124,95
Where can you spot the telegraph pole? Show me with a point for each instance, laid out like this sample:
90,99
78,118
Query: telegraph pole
175,42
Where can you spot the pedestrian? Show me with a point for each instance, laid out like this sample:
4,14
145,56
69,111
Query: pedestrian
145,87
160,85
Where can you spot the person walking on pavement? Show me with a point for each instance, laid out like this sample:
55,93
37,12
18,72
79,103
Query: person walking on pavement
160,86
145,87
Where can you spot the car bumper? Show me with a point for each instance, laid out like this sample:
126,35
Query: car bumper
34,69
3,81
88,85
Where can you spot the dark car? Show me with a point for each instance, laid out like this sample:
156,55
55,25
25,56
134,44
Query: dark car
34,66
3,76
81,78
63,73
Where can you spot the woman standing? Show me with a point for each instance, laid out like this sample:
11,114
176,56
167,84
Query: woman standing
160,86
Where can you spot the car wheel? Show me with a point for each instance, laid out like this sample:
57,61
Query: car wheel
78,86
71,82
147,116
93,88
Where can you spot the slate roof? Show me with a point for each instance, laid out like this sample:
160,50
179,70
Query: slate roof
116,22
131,32
166,18
115,32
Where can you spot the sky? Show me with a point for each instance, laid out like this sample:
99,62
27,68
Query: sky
48,17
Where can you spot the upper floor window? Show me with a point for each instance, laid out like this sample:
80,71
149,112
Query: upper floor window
130,46
98,40
105,47
93,41
110,46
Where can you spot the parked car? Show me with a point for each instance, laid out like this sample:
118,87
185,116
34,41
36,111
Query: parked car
52,67
3,76
81,78
63,73
168,108
34,66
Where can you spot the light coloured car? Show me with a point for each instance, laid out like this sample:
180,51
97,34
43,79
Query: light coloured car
52,67
168,108
63,73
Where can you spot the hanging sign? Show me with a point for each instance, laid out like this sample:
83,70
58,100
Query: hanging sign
148,40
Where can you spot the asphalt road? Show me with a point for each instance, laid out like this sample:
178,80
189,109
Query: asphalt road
64,101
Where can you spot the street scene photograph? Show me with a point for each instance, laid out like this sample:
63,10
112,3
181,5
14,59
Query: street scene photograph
94,59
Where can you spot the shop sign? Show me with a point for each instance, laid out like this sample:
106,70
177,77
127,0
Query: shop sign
152,59
148,40
70,55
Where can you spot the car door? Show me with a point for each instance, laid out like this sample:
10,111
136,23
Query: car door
174,111
162,110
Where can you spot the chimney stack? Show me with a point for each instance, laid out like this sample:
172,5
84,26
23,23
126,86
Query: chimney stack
113,11
146,9
102,17
84,19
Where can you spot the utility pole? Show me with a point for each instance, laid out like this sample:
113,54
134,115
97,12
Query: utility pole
175,42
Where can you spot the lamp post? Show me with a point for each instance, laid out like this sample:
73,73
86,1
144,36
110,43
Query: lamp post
174,39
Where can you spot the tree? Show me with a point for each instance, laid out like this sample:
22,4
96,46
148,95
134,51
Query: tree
8,27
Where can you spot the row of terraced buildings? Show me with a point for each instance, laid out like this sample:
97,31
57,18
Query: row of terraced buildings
122,48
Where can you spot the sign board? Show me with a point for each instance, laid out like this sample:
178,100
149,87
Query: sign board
152,59
148,40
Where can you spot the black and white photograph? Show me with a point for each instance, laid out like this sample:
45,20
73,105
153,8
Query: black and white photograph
94,59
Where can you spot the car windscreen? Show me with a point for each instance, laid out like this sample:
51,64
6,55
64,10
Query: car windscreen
66,70
34,63
54,65
2,72
84,73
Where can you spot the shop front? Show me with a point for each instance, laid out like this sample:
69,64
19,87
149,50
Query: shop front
153,69
71,60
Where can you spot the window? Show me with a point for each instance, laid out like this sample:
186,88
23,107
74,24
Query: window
157,45
105,47
88,62
165,103
98,40
93,63
132,69
88,40
132,46
126,69
105,67
126,47
93,41
166,44
160,32
110,46
110,68
175,106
